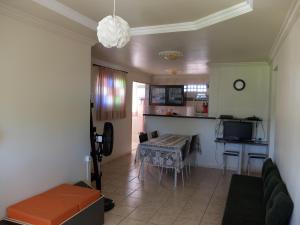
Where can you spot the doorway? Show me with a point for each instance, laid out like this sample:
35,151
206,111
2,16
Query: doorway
138,101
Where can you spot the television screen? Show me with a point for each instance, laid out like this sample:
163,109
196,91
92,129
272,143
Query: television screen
236,130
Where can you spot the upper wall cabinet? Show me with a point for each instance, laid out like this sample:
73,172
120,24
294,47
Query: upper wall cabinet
168,95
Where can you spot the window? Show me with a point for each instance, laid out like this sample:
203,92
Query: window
110,94
200,88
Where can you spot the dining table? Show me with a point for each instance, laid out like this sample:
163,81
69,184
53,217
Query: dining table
164,151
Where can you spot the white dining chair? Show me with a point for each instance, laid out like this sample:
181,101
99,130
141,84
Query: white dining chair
182,164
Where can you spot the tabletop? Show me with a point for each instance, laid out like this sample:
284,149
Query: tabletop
170,141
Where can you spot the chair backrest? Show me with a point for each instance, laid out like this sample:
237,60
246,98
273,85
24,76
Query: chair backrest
154,134
186,149
195,143
143,137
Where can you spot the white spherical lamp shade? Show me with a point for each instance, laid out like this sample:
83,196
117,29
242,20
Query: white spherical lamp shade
113,31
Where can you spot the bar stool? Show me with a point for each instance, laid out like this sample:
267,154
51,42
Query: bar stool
255,156
227,153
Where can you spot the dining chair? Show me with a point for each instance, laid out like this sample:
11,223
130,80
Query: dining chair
184,154
154,134
194,146
142,138
186,150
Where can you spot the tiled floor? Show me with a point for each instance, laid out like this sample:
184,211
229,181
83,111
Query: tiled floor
200,201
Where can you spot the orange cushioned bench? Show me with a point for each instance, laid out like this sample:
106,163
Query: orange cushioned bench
54,206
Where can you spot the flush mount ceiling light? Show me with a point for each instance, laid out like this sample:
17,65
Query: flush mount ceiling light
113,31
172,71
170,55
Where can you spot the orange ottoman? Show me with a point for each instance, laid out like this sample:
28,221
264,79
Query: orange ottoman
54,206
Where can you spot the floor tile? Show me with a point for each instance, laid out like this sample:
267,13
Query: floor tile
112,219
123,211
185,221
163,219
129,221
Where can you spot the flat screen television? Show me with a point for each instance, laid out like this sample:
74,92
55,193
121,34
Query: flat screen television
237,131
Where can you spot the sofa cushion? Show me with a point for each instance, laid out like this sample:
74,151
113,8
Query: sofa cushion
244,205
280,210
273,172
42,210
280,187
268,189
267,167
80,196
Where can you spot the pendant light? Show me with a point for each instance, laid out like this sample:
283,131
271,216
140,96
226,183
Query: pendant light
113,31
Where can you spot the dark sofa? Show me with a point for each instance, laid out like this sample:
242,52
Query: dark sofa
258,200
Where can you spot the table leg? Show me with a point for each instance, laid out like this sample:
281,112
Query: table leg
142,170
175,178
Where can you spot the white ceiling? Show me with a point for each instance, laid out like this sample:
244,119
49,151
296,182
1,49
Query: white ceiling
248,37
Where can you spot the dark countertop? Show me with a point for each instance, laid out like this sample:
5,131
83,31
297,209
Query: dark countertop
182,116
254,142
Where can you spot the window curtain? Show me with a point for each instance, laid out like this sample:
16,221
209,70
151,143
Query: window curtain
110,94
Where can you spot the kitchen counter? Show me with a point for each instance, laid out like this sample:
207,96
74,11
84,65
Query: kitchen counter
205,126
182,116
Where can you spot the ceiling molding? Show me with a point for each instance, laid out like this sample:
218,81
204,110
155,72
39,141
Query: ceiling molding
220,16
108,64
27,18
117,67
288,23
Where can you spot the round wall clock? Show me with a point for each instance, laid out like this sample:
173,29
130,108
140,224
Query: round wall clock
239,84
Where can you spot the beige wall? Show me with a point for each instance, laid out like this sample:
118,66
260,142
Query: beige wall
223,99
286,123
253,100
122,127
44,114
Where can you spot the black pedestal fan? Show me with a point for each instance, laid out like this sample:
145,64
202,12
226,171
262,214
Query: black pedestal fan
101,145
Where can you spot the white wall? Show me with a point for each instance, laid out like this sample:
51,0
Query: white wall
44,114
122,127
286,100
